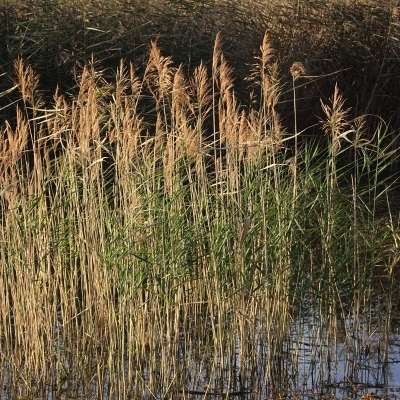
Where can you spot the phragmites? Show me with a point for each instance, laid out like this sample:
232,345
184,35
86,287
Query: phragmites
298,69
153,222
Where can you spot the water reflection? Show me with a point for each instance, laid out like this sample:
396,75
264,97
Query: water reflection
357,359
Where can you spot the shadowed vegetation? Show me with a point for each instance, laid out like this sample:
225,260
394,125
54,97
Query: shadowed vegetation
168,222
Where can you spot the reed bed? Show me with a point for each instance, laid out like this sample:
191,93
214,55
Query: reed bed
158,235
354,43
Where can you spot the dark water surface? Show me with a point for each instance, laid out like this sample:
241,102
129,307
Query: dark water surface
358,360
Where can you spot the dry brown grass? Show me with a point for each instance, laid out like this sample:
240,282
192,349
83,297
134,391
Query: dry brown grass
140,246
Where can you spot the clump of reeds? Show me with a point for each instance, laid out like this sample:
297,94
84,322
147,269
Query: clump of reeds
354,43
157,233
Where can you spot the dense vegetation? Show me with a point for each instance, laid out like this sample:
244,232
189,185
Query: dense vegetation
190,189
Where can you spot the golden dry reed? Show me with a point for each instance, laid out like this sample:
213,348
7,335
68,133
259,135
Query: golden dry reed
151,237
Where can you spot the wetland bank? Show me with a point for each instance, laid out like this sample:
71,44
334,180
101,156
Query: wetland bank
179,230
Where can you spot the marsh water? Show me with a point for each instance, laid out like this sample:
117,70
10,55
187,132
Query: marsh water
363,364
360,358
